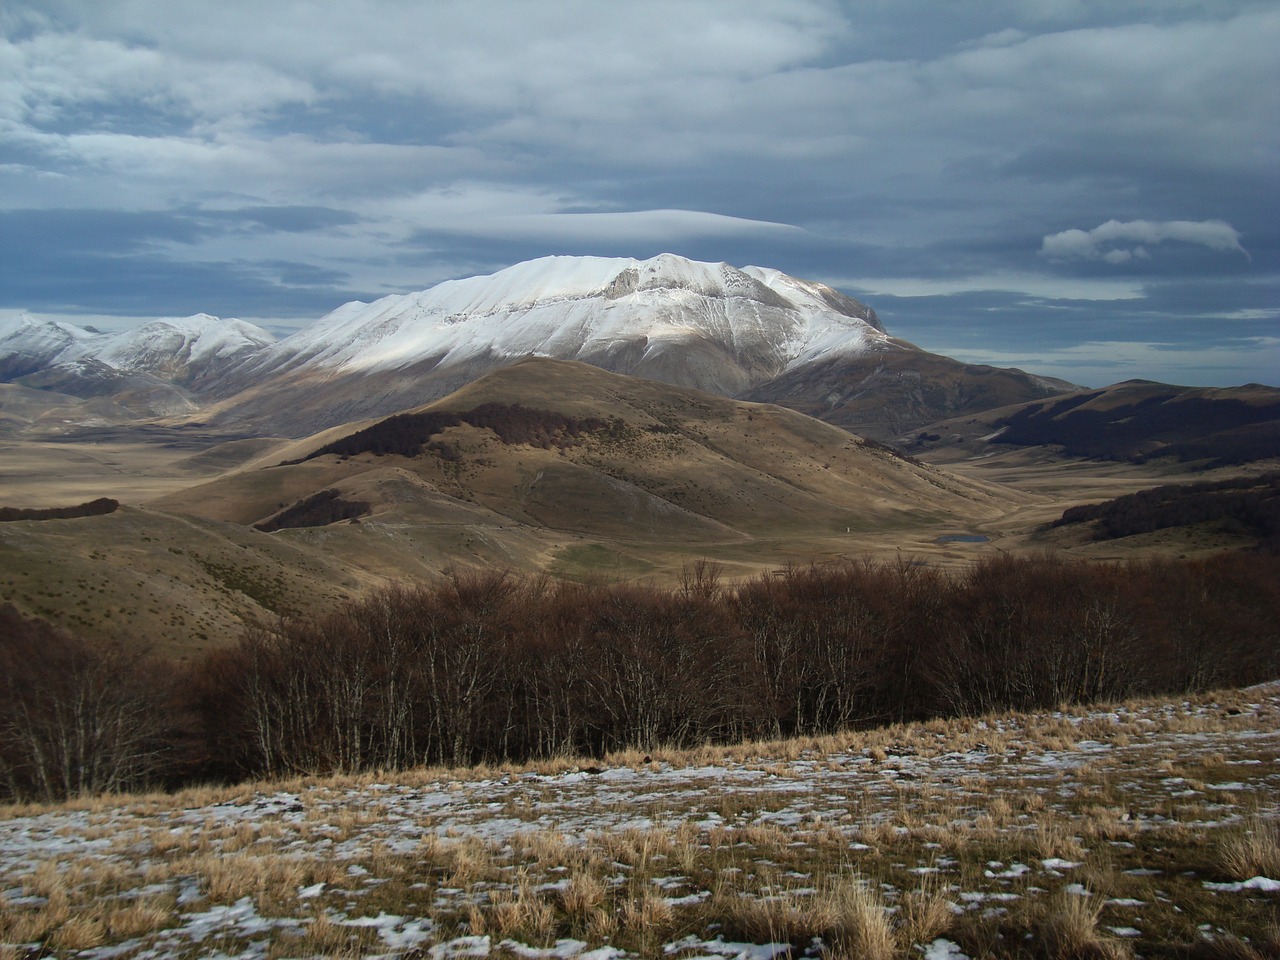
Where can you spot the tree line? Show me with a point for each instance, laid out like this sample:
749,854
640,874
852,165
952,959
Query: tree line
407,434
317,510
491,666
92,508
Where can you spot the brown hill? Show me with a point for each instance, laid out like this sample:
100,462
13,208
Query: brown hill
568,447
887,391
1136,421
544,465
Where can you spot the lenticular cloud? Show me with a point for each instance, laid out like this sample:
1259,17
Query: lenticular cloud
1119,242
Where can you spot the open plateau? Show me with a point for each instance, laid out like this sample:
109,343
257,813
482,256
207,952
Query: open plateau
606,608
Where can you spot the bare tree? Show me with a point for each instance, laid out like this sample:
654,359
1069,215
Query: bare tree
77,718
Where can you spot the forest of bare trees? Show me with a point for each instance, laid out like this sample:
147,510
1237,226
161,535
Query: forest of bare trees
493,666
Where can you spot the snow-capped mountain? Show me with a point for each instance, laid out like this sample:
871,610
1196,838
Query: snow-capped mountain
613,313
29,345
157,369
191,352
727,330
711,326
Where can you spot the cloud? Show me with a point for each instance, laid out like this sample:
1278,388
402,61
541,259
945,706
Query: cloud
1120,242
919,150
1048,288
555,216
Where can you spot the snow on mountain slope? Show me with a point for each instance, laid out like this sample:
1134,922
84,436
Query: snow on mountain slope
28,344
587,308
181,349
749,332
186,348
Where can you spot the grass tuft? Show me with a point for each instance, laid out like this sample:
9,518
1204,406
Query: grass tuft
1252,851
1068,930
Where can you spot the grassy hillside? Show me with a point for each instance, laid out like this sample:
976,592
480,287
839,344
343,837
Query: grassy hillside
618,457
545,465
175,584
1145,828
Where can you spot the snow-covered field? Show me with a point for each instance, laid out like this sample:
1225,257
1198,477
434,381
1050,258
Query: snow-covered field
1146,827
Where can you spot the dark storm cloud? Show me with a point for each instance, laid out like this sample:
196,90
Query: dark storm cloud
957,165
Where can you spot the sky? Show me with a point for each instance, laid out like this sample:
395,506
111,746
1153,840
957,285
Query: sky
1087,190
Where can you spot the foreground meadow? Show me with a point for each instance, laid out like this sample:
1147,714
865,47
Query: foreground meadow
1146,829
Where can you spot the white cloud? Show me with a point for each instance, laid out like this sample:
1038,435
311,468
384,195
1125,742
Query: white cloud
1119,242
479,209
1046,288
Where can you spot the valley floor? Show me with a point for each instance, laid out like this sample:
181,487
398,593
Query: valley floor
1148,829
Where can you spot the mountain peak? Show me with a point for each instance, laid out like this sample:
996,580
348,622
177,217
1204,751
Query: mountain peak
588,308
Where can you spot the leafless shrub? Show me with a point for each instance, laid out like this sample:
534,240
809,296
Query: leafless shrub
76,719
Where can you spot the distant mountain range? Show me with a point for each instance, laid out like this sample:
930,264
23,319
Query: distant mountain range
1135,421
752,333
157,369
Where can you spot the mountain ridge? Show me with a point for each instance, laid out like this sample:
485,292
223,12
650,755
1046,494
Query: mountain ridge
1137,421
740,332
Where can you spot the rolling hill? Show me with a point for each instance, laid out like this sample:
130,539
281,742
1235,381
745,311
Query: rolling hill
570,447
542,465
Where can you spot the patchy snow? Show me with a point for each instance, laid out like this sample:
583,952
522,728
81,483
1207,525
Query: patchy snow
1263,884
941,949
478,946
1013,870
353,825
718,948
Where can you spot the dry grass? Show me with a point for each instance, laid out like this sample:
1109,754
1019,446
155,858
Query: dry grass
860,926
79,933
846,912
329,939
1252,851
522,913
140,917
37,924
1054,838
1068,929
923,916
931,830
645,913
582,896
271,879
